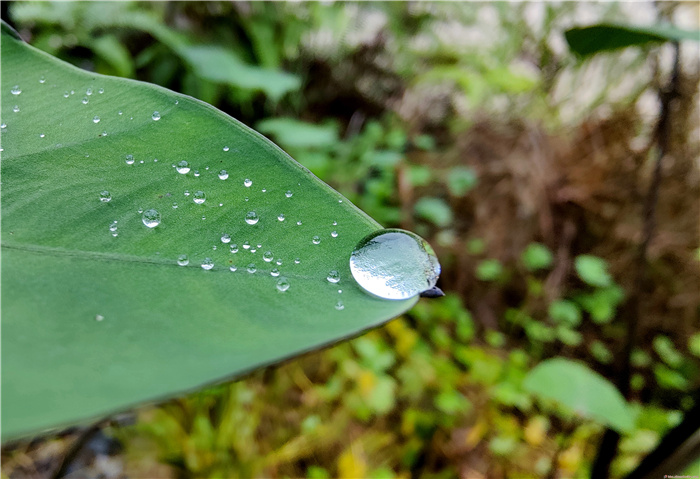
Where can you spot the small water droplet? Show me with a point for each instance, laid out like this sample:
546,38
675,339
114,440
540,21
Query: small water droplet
155,160
96,119
316,240
42,79
213,247
221,204
234,248
288,194
66,94
267,256
282,284
226,148
141,162
280,217
339,306
187,192
253,250
16,90
174,206
104,133
247,182
85,100
105,196
299,223
183,167
129,159
246,198
297,261
278,262
225,238
335,223
246,245
15,108
41,135
155,116
196,173
151,218
183,260
334,234
99,317
340,201
333,276
115,234
340,291
204,217
88,92
251,268
275,272
199,197
264,190
177,102
101,91
72,92
140,210
120,113
251,218
3,125
233,267
223,174
207,264
113,226
394,264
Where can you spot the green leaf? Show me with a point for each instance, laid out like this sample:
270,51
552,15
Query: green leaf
694,344
489,270
98,316
564,311
593,270
576,387
586,41
461,180
293,133
434,210
536,256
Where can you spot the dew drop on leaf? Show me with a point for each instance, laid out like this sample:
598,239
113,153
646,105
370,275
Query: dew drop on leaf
129,159
199,197
333,276
334,234
155,116
394,264
251,218
267,256
99,317
15,108
96,119
183,167
275,272
339,306
316,240
226,148
225,238
280,217
151,218
233,267
183,260
247,182
233,248
251,268
288,194
223,174
105,196
207,264
282,284
16,90
85,100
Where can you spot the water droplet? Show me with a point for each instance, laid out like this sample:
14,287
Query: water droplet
275,272
88,92
41,135
251,217
3,126
199,197
339,306
174,206
204,217
247,183
151,218
267,256
282,284
155,160
101,91
66,94
234,248
335,223
251,268
246,198
207,264
297,261
233,267
264,190
155,116
246,245
394,264
113,228
253,250
223,174
142,162
177,102
340,291
96,119
334,234
288,194
140,210
42,79
15,108
99,317
183,167
187,192
115,234
226,148
85,100
104,133
120,113
105,196
278,262
16,90
340,201
196,173
316,240
129,159
280,217
183,260
299,223
72,92
333,276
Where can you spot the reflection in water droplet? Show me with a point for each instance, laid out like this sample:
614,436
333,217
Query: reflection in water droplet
120,113
42,135
234,248
394,264
251,268
247,183
99,317
183,167
339,306
96,119
267,256
275,272
183,260
333,276
280,217
233,267
223,174
288,194
282,284
246,245
225,238
207,264
334,234
151,218
105,196
16,90
155,116
199,197
129,159
225,148
316,240
251,218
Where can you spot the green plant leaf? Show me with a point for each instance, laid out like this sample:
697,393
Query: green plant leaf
97,313
536,256
461,180
434,210
576,387
593,270
586,41
293,133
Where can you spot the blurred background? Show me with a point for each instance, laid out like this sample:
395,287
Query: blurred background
474,125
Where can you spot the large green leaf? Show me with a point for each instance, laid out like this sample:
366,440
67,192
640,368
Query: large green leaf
585,41
93,322
583,391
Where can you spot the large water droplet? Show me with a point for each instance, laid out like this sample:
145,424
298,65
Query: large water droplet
394,264
268,256
251,218
282,284
183,167
223,174
155,116
234,248
105,196
151,218
207,264
247,183
333,276
16,90
183,260
225,238
251,268
199,197
129,159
